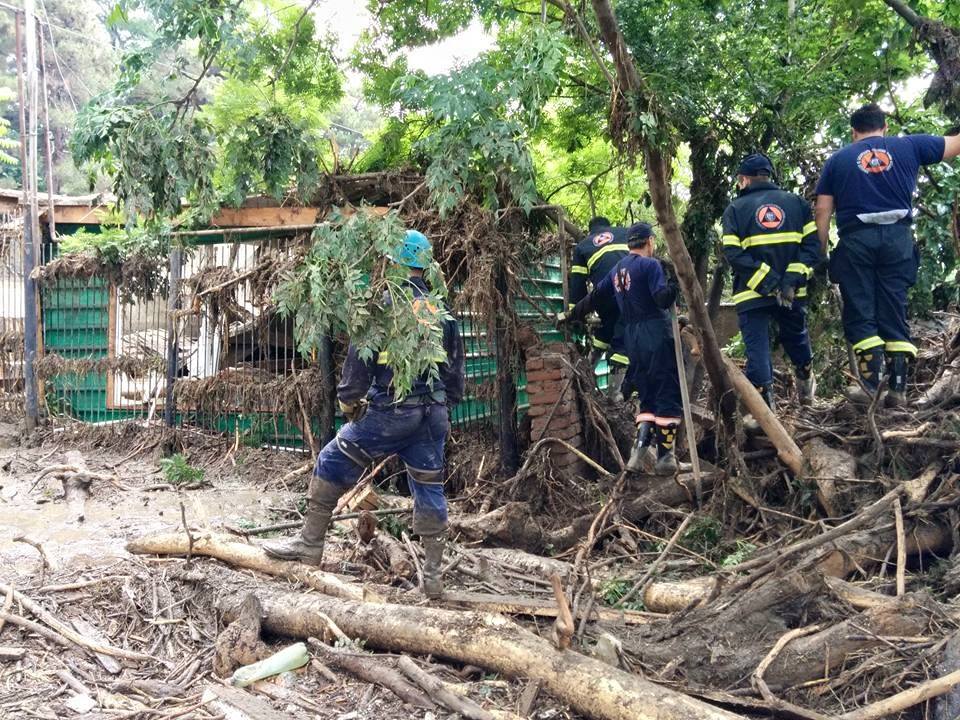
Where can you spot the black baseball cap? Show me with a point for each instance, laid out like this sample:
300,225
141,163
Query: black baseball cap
639,231
756,164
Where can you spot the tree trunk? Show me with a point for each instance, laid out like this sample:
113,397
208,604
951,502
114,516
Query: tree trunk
489,641
658,164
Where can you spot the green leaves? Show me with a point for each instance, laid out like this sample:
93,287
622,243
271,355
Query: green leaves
347,286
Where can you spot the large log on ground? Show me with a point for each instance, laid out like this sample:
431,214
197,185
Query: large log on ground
226,548
491,642
825,466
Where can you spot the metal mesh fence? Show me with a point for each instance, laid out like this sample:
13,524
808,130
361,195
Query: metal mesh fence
238,370
11,311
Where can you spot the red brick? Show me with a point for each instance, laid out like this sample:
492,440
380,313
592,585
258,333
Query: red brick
552,375
553,362
534,363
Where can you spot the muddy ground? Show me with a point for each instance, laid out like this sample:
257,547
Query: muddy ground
164,607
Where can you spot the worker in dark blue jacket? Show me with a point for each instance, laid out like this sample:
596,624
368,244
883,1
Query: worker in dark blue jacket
593,259
770,241
639,286
871,183
414,428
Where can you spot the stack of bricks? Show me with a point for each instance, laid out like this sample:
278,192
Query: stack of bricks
553,404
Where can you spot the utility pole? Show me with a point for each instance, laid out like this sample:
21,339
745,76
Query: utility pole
31,228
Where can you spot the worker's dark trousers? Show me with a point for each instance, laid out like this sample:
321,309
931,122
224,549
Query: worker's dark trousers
875,266
652,373
792,331
608,337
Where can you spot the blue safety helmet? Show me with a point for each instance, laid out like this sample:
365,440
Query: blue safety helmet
414,252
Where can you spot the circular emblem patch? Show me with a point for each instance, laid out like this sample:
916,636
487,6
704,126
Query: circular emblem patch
603,238
770,217
875,160
621,280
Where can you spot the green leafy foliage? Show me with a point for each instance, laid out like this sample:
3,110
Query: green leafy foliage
178,471
613,590
743,551
347,285
480,118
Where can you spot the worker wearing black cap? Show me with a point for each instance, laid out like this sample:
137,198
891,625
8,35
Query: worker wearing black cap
639,286
593,259
770,241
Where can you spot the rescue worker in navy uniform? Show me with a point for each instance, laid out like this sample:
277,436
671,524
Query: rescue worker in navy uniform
770,241
870,183
639,287
593,259
414,428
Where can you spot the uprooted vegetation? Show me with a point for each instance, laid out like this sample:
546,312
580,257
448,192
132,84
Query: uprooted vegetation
809,596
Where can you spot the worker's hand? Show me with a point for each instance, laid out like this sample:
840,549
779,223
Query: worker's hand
353,411
561,318
786,296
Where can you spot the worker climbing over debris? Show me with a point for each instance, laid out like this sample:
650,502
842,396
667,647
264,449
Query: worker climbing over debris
870,183
415,428
639,287
770,241
593,259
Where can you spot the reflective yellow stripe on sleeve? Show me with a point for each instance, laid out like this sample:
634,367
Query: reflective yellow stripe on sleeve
758,276
802,292
617,247
800,269
772,239
809,228
600,344
731,241
579,270
619,359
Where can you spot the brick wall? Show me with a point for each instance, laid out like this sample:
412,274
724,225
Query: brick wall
554,411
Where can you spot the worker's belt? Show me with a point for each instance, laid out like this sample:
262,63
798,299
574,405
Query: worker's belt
437,397
856,224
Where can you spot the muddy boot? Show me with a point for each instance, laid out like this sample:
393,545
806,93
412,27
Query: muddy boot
433,563
870,365
750,424
666,460
898,364
307,547
640,451
615,382
806,385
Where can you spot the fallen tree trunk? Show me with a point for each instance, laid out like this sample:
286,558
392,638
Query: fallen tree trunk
227,549
825,466
489,641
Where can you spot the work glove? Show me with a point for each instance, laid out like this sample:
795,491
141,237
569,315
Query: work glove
770,285
786,295
353,411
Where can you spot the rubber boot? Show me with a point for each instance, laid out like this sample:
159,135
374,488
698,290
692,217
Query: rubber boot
898,364
666,459
750,423
433,564
615,382
641,447
806,385
870,365
307,547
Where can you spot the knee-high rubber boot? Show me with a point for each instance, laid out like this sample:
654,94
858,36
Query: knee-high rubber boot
898,365
870,364
666,459
307,547
806,384
750,423
433,564
641,446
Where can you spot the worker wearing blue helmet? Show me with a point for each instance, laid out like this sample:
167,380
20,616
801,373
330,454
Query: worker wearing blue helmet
414,428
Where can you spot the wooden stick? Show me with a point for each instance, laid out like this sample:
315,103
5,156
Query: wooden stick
443,694
12,653
368,668
689,431
901,548
69,633
787,449
563,625
756,679
7,604
640,585
903,700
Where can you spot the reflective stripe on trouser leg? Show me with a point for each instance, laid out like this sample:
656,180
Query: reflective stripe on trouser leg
429,501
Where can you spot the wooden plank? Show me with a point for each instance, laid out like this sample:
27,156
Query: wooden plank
517,605
265,216
237,704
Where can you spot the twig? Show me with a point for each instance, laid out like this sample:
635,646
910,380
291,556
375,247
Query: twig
186,529
756,679
293,42
903,700
563,625
39,548
413,554
641,584
6,607
901,548
588,460
294,524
